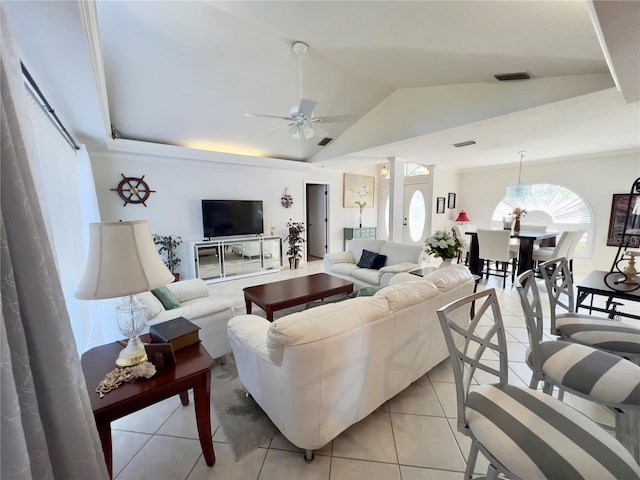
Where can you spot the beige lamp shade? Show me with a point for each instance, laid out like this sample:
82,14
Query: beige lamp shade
123,260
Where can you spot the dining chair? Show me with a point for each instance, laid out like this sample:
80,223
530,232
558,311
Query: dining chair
565,247
524,433
607,334
459,232
585,371
493,246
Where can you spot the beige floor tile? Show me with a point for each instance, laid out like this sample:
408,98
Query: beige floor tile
417,473
446,393
369,439
150,419
426,442
418,398
163,458
125,446
280,465
182,422
348,469
226,468
443,372
465,445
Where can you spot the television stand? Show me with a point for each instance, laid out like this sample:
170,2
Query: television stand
228,258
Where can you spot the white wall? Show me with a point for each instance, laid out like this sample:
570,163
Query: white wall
445,181
181,184
595,178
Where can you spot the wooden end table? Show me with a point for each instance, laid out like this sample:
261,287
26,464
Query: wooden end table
295,291
191,370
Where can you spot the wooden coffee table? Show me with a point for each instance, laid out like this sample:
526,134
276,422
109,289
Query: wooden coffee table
276,296
192,370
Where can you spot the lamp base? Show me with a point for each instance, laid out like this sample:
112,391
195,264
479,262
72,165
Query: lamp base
133,354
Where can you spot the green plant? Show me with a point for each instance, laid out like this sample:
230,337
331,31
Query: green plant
167,249
443,244
294,239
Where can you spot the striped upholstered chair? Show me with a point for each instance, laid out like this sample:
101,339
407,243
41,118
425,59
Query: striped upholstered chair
614,336
596,375
524,433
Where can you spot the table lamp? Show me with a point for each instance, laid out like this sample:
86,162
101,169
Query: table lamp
462,217
123,261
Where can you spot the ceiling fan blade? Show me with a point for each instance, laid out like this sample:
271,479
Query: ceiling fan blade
306,107
335,118
288,119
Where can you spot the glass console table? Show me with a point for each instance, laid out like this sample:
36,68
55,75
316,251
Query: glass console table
226,258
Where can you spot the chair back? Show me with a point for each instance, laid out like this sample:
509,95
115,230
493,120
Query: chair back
576,236
494,245
557,279
459,232
468,343
563,244
532,309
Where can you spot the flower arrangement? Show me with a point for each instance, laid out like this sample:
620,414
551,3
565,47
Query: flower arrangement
295,239
443,245
519,212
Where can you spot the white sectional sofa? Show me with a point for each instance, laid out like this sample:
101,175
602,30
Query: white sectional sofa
319,371
400,258
198,306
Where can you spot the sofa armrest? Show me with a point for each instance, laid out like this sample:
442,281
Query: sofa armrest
339,257
250,332
399,267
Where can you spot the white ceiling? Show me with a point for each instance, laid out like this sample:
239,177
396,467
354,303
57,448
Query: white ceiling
418,75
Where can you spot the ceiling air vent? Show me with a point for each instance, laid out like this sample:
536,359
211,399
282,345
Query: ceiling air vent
504,77
464,144
324,141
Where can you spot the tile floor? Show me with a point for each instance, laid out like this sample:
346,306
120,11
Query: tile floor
413,436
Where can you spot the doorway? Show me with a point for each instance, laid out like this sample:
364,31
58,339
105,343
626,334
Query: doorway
415,218
317,212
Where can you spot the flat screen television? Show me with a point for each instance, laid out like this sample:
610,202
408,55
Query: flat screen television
222,218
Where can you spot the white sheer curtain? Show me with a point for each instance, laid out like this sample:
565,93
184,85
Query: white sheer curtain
46,420
65,188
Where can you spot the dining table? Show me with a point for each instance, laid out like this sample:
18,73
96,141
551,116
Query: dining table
526,240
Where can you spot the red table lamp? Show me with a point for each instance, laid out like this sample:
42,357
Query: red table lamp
462,217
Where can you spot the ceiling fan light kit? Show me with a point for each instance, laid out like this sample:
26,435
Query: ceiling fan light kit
301,116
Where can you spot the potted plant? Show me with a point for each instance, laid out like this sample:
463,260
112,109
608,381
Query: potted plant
295,241
443,245
167,249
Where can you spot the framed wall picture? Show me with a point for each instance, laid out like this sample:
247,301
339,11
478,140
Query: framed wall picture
440,204
451,202
619,209
358,191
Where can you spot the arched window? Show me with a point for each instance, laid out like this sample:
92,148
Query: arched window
555,206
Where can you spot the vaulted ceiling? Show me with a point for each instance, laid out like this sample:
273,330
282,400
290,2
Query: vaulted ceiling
417,76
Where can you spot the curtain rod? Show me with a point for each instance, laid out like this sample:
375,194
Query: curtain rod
46,106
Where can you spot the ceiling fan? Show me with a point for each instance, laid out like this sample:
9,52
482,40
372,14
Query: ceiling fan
301,116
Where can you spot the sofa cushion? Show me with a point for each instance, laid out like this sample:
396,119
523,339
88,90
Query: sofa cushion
367,259
154,307
367,275
357,245
340,257
323,322
399,252
404,295
167,298
379,262
344,268
189,289
450,277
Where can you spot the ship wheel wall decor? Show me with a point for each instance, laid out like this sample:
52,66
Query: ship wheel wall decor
133,190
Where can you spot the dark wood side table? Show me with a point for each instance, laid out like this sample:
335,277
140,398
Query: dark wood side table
192,370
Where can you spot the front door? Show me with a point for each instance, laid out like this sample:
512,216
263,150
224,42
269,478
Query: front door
415,221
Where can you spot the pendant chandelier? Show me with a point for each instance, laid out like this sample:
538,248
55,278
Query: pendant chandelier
519,190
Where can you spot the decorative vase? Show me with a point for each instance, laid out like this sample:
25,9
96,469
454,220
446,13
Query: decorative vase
446,262
294,262
516,226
